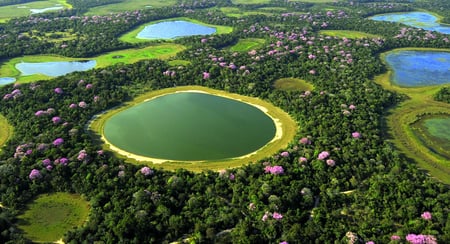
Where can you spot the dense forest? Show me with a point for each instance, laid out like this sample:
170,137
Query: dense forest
334,186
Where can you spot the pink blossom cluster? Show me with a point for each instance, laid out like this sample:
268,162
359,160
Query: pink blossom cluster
304,141
13,95
323,155
275,215
421,239
426,215
146,171
82,155
58,142
284,154
61,161
23,150
170,73
356,135
275,170
34,174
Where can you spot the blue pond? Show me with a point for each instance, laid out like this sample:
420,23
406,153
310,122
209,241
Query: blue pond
55,68
174,29
42,10
6,80
422,20
419,68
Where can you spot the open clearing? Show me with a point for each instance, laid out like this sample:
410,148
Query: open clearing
130,37
286,129
347,34
48,217
400,118
293,84
129,5
128,56
247,44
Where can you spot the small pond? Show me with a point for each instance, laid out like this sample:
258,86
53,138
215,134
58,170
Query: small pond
422,20
6,80
174,29
190,126
55,68
419,68
42,10
434,132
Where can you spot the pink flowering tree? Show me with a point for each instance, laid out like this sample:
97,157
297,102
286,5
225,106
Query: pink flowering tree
34,174
323,155
58,142
426,215
275,170
146,171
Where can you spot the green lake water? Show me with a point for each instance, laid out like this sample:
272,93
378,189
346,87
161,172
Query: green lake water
190,126
439,127
434,132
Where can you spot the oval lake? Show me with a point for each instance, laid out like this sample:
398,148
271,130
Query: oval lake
419,68
55,68
190,126
422,20
174,29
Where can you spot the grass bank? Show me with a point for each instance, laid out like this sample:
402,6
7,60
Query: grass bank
128,56
48,217
5,131
400,119
130,36
286,129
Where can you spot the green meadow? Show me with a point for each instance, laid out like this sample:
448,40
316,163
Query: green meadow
237,12
285,125
248,44
5,131
130,37
250,1
129,5
293,84
49,216
20,10
347,34
128,56
401,119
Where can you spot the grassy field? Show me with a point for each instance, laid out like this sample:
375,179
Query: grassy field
400,119
288,128
237,12
314,1
347,34
128,56
5,131
130,5
48,217
245,45
293,84
130,37
250,1
20,10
